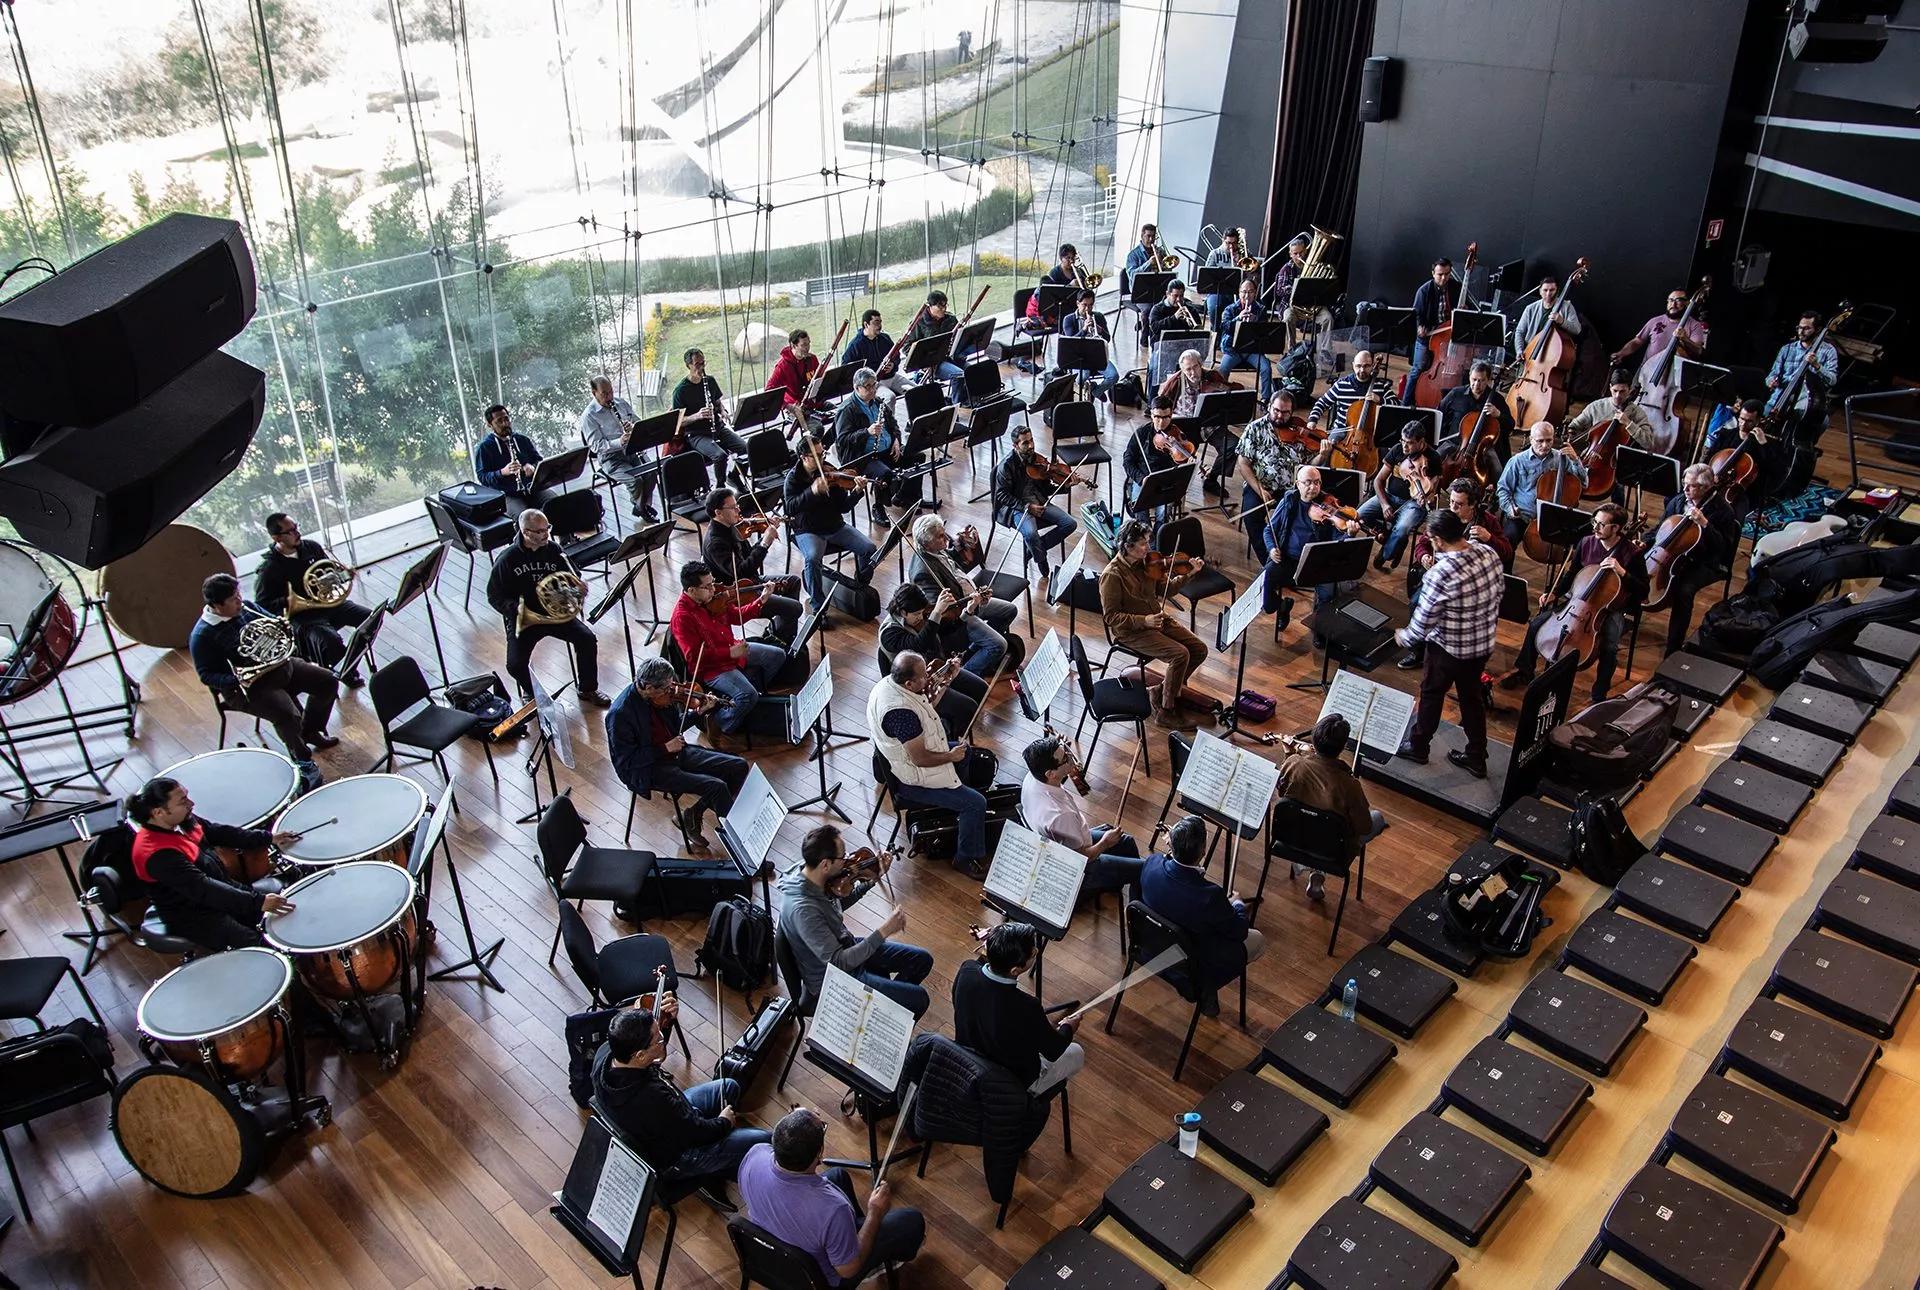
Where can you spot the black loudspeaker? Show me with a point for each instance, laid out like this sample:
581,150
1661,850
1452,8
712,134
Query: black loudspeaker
1377,90
1838,42
95,493
113,328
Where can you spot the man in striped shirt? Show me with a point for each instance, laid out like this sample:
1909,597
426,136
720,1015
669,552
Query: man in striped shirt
1330,409
1458,611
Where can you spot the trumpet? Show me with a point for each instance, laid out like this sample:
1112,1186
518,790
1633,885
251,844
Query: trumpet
265,643
325,584
1091,281
560,596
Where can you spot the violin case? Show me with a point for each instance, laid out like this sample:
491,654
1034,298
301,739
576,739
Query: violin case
1789,647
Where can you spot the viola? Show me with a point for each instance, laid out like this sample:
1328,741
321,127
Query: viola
1540,392
1176,446
656,996
1576,626
1057,473
1561,487
685,694
1603,449
1296,432
1661,391
1168,568
1448,368
968,553
1076,773
1324,508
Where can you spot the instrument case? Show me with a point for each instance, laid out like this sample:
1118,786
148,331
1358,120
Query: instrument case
747,1056
475,503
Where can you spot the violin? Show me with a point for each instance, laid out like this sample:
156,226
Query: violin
1076,773
865,865
968,553
754,525
685,694
939,676
1540,392
1603,448
1176,446
1295,431
1323,508
656,996
1168,568
1576,625
1057,473
729,595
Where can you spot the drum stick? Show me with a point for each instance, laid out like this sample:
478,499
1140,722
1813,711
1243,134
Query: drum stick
311,827
899,1119
1152,968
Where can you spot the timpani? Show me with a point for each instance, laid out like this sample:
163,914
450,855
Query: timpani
225,1014
351,936
364,817
244,787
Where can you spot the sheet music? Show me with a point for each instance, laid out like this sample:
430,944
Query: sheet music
1045,672
1386,725
1071,566
861,1027
1245,608
756,816
618,1193
810,701
1236,782
1037,874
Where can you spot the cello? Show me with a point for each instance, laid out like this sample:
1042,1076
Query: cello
1540,392
1563,490
1601,455
1447,369
1359,449
1659,392
1474,457
1576,625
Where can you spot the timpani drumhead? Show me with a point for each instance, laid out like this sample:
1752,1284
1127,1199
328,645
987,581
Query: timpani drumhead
186,1134
213,995
370,812
153,595
341,906
244,787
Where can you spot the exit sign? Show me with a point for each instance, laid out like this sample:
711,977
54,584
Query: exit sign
1715,227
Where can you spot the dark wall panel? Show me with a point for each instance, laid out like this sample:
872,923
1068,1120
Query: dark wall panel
1249,111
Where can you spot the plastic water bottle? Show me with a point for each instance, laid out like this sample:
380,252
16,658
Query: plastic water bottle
1349,998
1189,1133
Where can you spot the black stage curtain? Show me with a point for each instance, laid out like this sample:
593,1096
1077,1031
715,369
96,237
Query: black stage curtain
1316,169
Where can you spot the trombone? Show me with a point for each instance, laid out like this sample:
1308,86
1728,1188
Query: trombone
1081,278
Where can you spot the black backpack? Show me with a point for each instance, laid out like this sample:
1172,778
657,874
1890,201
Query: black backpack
483,696
586,1031
1604,848
739,945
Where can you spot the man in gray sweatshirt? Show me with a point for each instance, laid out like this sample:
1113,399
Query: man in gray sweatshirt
813,900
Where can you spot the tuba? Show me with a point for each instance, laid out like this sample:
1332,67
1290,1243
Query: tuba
1316,265
265,643
560,596
325,584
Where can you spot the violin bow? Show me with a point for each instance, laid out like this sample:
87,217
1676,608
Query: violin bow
982,705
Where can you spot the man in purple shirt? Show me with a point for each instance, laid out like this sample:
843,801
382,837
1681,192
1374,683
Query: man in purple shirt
788,1196
1659,330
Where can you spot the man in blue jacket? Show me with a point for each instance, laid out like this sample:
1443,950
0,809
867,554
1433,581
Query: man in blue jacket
505,459
1214,921
646,741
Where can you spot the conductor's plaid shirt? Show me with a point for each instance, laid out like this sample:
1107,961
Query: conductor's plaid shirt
1460,602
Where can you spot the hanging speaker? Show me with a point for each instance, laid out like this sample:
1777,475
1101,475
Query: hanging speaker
1378,90
1858,41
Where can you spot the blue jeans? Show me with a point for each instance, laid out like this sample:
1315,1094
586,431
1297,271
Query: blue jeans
1119,868
1231,360
1280,578
968,803
742,686
814,547
1052,527
896,970
1108,379
1216,303
1422,352
717,1159
985,647
1408,516
953,375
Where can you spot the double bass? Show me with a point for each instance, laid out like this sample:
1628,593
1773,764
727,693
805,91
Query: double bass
1540,391
1576,625
1602,453
1447,369
1659,391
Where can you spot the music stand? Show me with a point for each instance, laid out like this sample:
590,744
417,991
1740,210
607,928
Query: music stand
1392,418
928,352
639,548
1164,488
760,408
973,337
546,721
987,424
1054,299
1265,336
1508,276
1081,354
1228,407
1337,561
928,437
1392,331
1343,485
1640,469
1698,379
429,837
1479,329
1217,279
1148,288
833,383
555,472
1561,527
416,582
360,644
1056,391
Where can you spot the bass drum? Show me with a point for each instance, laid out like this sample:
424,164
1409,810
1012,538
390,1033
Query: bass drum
153,595
185,1134
34,613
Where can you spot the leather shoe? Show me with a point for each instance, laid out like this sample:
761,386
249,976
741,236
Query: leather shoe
596,697
1171,719
1411,659
1418,756
1284,614
320,743
1458,756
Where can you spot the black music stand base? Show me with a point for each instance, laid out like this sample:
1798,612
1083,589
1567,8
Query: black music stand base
478,960
824,742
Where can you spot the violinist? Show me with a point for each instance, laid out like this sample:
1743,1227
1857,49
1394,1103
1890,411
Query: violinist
1086,322
1052,808
1303,516
1534,318
915,623
1008,1026
1519,486
1808,415
1150,450
872,347
1621,403
817,502
1272,450
1433,305
1597,548
1245,309
1025,504
1186,384
1322,780
1133,604
923,763
646,741
1405,486
1711,558
733,558
1463,499
1329,411
737,670
1462,401
814,897
703,428
864,431
1661,329
987,619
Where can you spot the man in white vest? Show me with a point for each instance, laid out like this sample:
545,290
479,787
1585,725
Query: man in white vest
906,729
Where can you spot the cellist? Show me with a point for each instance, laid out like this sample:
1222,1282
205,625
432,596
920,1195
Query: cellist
1620,402
1597,548
1519,486
1711,557
1462,401
1330,409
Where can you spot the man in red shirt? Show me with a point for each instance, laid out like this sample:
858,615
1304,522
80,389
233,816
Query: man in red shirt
795,369
738,670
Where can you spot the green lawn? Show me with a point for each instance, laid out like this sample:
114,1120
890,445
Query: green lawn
1048,89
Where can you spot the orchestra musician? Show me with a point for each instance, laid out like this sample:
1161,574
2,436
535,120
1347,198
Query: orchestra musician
1066,273
1134,605
1248,309
988,620
1175,313
1659,329
865,432
1188,382
1330,409
606,426
1051,808
1533,319
1433,305
1280,290
923,762
295,698
1231,251
704,427
994,1017
1086,322
1456,618
1321,779
795,369
1519,485
1483,526
517,571
1462,401
506,459
1711,558
915,623
1270,455
1807,418
812,923
1147,453
938,321
646,742
173,853
1406,486
1747,421
737,670
1145,257
693,1135
734,558
1217,923
872,347
1597,548
786,1193
281,571
1621,403
817,508
1025,504
1304,515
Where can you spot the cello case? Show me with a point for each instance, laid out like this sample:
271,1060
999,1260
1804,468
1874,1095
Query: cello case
1787,649
1613,743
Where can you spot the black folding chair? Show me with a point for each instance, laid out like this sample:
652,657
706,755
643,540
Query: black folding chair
1309,838
1153,935
395,690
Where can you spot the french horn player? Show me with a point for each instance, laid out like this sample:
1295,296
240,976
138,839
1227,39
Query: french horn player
299,578
539,594
245,655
